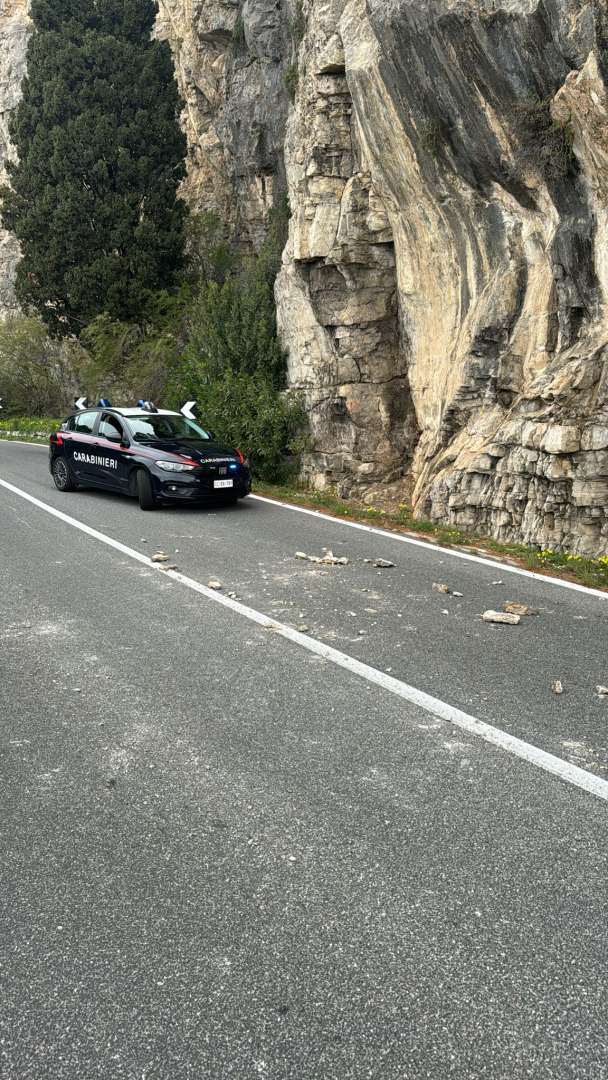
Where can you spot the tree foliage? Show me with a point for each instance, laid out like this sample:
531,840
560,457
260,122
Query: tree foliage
93,198
232,362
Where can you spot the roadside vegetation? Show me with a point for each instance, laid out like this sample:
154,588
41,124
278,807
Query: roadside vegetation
124,295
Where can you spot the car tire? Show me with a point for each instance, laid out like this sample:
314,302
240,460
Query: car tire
62,476
145,493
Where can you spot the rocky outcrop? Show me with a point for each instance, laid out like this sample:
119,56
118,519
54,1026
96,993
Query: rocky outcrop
14,33
230,59
338,293
447,169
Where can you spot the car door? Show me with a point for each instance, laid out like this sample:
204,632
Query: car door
113,452
80,447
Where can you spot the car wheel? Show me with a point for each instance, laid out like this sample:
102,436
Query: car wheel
62,476
144,491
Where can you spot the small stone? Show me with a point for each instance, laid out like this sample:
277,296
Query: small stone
516,608
169,566
444,611
440,587
303,628
557,687
383,564
76,690
143,540
213,584
159,556
457,593
602,691
506,617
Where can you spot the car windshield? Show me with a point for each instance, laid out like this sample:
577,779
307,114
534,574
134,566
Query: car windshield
151,426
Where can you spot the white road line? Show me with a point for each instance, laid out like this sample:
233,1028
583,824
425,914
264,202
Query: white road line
572,774
453,552
401,538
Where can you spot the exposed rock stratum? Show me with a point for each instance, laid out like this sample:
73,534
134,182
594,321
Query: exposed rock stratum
444,290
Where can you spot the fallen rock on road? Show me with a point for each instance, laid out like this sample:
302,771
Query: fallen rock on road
329,559
506,617
515,608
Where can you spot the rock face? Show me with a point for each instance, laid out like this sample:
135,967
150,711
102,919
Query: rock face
444,291
14,33
230,59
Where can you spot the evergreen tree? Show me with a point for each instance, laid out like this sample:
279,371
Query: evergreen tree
93,197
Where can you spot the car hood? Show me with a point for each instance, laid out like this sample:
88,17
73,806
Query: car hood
201,450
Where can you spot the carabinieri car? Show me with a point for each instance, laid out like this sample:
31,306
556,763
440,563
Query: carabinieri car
153,454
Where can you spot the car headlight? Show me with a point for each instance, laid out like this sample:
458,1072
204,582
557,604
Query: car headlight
175,466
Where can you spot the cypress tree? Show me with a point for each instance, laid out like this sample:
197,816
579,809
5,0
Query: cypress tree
93,196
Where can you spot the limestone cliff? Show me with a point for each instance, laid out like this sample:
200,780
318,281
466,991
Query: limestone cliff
444,291
230,59
445,288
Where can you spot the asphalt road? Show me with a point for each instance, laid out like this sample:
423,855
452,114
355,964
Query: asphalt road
225,857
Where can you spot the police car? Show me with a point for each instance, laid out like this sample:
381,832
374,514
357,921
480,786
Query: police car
153,454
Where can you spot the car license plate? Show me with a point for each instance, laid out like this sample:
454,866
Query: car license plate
223,483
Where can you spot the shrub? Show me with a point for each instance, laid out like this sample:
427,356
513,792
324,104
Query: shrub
245,410
233,365
290,78
125,360
38,374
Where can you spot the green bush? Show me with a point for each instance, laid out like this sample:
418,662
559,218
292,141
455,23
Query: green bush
290,78
245,410
27,427
126,360
209,256
39,375
232,362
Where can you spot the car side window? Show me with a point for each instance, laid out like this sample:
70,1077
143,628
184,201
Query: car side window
110,427
85,422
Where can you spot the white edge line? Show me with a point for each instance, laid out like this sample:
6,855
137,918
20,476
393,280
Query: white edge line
402,539
572,774
387,534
